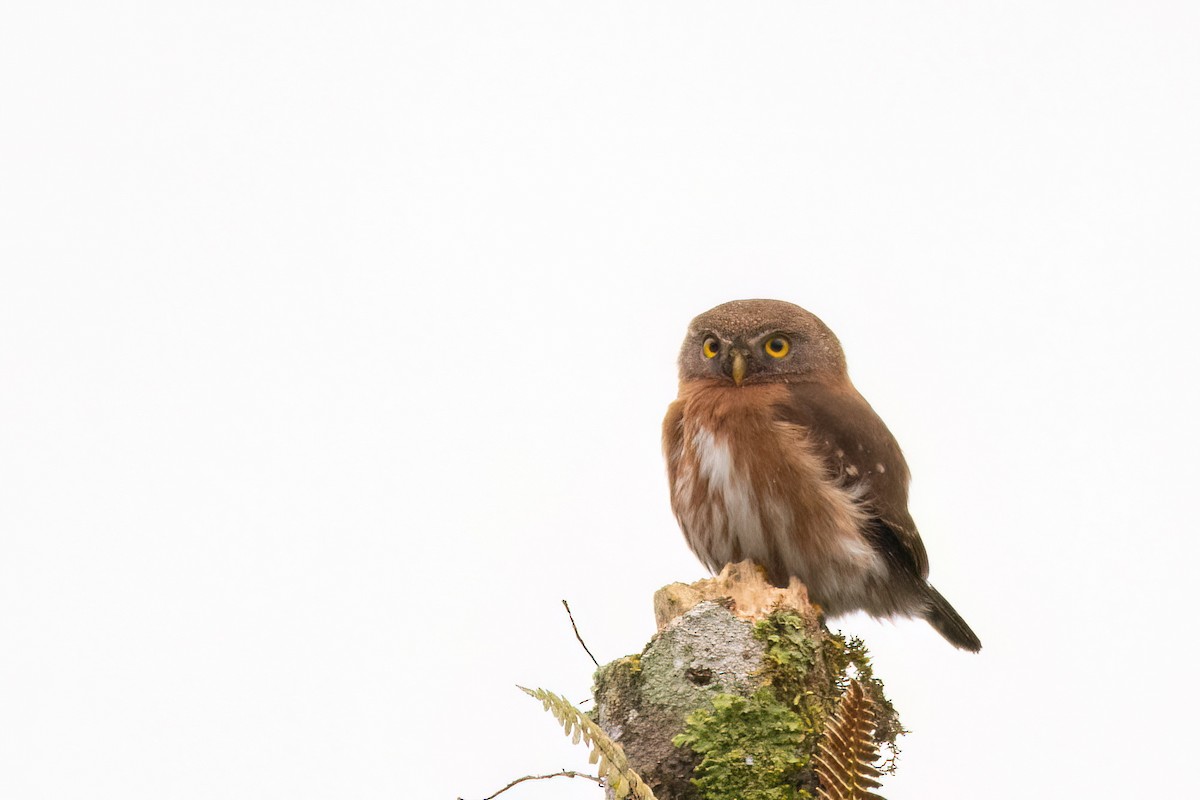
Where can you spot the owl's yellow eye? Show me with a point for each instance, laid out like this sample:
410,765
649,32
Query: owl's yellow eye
777,347
710,347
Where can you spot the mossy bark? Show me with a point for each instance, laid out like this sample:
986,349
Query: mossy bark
729,699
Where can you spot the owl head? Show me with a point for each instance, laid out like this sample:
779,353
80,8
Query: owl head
760,341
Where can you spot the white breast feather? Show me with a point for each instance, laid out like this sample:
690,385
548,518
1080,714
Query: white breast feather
742,512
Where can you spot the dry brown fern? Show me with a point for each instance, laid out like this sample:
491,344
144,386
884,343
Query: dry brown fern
848,751
613,765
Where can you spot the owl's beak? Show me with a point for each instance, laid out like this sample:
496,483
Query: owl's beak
738,368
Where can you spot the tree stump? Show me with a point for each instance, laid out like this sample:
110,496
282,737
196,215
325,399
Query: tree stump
729,699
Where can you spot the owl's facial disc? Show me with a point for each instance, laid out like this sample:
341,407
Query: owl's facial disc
751,342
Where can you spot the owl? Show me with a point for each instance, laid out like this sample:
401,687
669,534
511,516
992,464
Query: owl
774,456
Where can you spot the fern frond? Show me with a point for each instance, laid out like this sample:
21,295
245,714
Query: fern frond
614,766
848,751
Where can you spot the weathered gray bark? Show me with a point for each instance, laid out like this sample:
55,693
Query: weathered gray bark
715,639
642,702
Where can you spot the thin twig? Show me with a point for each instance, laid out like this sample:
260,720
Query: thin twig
577,636
566,773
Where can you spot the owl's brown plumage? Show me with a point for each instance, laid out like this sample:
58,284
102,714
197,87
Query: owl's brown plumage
774,456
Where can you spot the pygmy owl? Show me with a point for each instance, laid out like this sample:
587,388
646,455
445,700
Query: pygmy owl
775,457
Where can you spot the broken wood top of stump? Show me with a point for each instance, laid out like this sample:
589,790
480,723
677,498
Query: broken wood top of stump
744,585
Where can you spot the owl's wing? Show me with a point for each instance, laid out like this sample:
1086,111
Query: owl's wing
862,453
672,441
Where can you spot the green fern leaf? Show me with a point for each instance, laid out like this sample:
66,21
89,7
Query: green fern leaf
613,765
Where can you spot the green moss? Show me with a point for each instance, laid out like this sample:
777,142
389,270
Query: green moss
759,748
810,678
791,662
750,748
848,658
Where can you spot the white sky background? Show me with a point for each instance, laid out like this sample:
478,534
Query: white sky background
335,341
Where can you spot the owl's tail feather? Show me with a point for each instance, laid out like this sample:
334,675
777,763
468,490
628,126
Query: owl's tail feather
946,621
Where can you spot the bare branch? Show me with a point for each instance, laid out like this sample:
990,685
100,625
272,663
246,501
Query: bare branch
566,773
577,636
